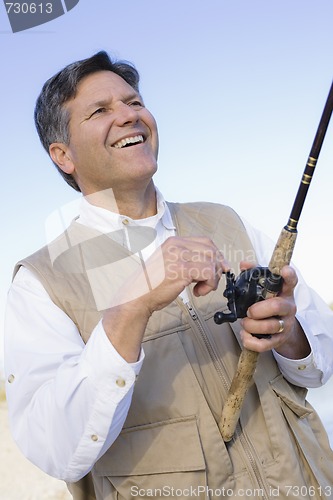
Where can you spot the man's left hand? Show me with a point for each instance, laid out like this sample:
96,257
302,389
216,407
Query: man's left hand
276,317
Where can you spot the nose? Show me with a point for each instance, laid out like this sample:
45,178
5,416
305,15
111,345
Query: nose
125,114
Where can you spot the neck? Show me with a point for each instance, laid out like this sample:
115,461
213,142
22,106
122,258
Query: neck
133,203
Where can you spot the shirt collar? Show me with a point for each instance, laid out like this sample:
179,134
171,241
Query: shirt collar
105,221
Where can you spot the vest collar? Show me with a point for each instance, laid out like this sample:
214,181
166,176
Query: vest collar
106,221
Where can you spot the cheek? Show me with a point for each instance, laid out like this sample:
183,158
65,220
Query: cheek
152,125
149,120
86,144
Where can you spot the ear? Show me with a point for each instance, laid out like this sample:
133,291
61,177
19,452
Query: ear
60,154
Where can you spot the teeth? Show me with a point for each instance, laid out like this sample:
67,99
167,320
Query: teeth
128,140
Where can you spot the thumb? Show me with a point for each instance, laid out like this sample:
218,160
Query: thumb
290,280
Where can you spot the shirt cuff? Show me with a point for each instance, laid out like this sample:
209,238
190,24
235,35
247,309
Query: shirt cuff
303,372
136,367
107,363
295,365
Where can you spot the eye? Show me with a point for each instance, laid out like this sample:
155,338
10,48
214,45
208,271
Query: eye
136,104
98,111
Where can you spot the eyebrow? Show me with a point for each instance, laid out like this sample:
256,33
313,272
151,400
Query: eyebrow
106,102
94,105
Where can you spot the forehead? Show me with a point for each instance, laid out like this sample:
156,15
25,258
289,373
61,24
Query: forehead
100,86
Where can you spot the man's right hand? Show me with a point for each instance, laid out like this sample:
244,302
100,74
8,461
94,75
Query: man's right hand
173,266
186,260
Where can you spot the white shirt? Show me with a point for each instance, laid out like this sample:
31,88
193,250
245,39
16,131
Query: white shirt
68,400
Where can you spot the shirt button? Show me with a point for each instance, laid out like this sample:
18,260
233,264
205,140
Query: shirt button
301,367
94,437
120,382
11,378
125,222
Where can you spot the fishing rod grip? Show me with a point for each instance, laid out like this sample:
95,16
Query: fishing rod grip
239,386
248,359
283,250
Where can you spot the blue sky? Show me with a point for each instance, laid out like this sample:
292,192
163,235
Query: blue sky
237,88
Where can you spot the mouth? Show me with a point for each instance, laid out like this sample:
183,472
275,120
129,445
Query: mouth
129,141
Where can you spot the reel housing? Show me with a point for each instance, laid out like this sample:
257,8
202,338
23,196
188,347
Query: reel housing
251,286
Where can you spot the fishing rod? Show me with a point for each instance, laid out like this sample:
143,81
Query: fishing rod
261,283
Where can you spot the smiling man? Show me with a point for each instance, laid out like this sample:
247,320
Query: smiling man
117,373
109,126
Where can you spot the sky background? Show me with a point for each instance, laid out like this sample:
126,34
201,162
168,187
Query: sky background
237,88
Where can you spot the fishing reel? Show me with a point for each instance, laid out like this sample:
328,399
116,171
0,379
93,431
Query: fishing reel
251,286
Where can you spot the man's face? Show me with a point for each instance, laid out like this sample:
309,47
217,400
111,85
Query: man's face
113,137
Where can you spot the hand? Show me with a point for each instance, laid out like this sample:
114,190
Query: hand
265,318
186,260
176,264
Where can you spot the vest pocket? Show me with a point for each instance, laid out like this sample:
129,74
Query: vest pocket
156,460
307,430
292,396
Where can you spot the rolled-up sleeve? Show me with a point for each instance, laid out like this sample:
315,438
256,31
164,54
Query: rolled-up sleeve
67,400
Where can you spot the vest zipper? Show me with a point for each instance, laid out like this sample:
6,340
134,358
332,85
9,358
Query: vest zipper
247,447
203,334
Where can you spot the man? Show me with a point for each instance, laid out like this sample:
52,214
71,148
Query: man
115,366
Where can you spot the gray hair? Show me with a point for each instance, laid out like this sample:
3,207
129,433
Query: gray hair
51,117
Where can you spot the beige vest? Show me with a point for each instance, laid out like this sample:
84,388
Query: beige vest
170,444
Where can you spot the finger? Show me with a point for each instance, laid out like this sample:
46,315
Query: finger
201,255
191,243
273,307
262,344
192,249
268,326
197,260
290,280
246,264
207,279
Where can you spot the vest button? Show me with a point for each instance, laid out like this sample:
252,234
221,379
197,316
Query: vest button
120,382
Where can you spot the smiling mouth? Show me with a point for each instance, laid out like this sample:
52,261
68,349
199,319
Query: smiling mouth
129,141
